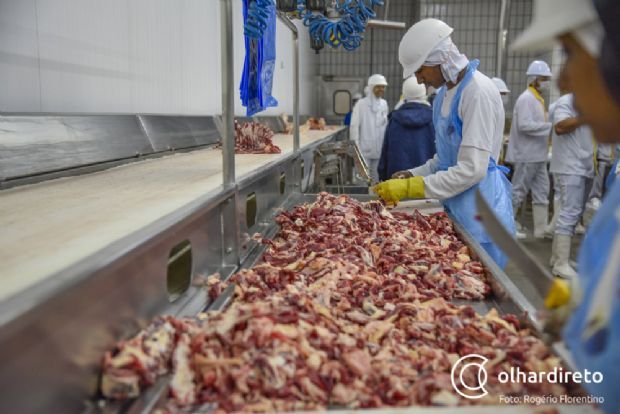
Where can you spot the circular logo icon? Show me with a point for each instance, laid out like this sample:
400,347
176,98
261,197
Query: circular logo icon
469,376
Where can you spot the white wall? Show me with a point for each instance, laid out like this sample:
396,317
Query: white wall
130,56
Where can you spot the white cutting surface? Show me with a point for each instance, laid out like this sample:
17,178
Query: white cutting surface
48,226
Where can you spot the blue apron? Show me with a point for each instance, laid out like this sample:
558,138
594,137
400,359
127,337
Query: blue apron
597,258
495,187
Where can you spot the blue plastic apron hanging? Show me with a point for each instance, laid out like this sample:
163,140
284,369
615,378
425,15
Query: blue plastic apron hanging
259,18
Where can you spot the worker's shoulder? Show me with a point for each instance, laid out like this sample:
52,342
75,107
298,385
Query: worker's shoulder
563,104
566,100
481,86
480,83
526,96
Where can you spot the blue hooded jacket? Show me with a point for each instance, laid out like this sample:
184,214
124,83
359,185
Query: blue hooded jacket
409,139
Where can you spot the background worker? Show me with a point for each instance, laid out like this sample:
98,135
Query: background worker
347,118
528,146
592,74
409,137
368,123
503,90
468,117
572,167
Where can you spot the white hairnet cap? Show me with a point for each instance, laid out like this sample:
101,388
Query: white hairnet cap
418,42
448,57
377,80
501,85
412,90
556,17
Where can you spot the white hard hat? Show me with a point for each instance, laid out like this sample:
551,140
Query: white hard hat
357,95
501,85
376,79
419,41
538,68
553,18
412,89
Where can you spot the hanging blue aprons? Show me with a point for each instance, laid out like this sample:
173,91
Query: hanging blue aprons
495,187
599,277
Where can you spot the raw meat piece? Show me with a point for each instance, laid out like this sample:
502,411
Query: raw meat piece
254,138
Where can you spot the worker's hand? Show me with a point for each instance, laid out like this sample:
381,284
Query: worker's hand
402,174
559,294
392,191
562,298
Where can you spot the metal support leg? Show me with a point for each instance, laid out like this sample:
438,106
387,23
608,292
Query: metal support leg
228,107
288,23
229,225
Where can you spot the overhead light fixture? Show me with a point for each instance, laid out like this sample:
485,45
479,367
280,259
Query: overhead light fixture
386,24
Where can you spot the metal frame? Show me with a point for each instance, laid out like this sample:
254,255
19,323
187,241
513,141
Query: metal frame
291,26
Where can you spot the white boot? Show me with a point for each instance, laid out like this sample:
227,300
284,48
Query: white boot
554,257
557,205
520,230
541,214
562,267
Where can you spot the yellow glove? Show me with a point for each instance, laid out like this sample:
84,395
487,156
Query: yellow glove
561,300
559,294
392,191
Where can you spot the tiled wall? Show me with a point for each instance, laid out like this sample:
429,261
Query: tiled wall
476,24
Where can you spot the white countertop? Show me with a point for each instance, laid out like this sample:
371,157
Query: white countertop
48,226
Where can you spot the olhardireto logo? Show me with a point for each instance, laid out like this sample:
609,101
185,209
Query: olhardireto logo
469,378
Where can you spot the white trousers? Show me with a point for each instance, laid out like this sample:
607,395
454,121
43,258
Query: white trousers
530,176
572,190
599,179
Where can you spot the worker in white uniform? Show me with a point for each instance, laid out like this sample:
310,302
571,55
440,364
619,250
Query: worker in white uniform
528,146
368,123
572,165
503,90
591,43
468,118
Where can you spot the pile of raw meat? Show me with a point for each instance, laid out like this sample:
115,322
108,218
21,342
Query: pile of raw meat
349,307
317,124
254,138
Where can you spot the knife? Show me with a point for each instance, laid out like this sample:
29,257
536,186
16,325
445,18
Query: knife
557,290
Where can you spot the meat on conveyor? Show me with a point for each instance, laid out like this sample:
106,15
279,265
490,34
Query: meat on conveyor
328,328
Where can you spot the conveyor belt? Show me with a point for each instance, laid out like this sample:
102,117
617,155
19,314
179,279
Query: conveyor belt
48,226
506,298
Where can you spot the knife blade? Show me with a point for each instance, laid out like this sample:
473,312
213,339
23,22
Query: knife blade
536,273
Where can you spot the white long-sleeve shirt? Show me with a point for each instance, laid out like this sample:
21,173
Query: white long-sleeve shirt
482,113
529,132
367,127
573,153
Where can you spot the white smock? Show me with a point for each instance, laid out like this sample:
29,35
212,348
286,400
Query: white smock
529,131
367,129
527,150
482,113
